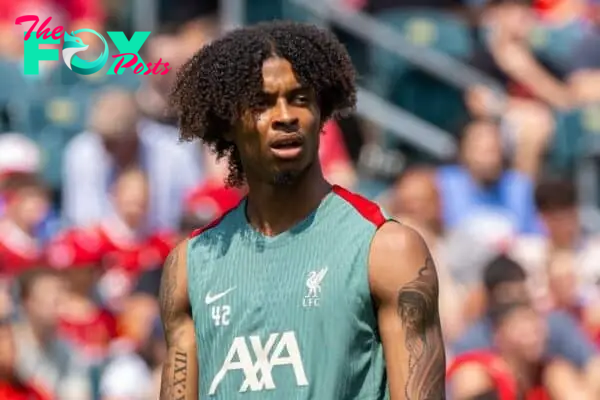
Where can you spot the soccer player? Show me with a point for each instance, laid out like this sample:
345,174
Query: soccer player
304,290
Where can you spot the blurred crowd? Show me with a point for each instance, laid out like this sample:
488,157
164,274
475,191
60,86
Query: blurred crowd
92,200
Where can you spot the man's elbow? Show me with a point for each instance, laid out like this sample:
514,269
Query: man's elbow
181,334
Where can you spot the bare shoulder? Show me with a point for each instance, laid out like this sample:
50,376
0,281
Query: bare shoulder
399,256
175,264
173,286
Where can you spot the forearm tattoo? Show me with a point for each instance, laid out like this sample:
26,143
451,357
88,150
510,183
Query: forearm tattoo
168,285
180,372
175,370
418,310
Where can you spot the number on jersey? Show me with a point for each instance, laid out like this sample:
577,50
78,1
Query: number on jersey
220,314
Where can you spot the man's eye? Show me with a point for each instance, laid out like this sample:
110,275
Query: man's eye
261,104
301,99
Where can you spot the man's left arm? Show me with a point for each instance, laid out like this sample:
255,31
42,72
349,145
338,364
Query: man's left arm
404,284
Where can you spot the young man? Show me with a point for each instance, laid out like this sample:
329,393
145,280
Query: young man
301,290
516,364
505,283
27,204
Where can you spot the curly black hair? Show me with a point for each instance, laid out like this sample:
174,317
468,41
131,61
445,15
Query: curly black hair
224,78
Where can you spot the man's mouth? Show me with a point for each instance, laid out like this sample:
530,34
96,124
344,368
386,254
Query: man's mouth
287,147
287,142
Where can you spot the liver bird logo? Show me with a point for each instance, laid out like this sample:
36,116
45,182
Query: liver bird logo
313,283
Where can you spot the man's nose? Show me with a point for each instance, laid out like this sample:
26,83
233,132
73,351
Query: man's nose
284,120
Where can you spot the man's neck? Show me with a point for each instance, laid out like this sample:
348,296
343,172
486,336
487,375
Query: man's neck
131,160
274,209
16,224
522,370
43,335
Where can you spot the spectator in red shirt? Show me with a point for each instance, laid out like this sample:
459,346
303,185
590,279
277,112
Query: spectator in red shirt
127,247
85,324
27,203
126,241
43,359
519,344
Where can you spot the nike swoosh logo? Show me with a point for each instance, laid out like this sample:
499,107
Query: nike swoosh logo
212,298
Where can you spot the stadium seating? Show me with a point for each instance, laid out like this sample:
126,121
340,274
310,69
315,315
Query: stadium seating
439,30
51,108
414,90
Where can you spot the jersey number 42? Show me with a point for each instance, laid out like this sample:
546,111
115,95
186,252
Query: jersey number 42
220,314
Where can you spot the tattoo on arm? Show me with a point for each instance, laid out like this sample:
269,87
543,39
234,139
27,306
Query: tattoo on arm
175,370
168,284
180,375
418,310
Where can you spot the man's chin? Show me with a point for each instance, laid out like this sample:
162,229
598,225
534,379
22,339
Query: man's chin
290,174
285,178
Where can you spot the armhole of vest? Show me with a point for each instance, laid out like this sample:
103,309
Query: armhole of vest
368,209
207,227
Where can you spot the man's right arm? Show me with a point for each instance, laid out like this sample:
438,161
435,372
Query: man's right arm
180,371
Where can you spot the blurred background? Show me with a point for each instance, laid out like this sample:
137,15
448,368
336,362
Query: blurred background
478,123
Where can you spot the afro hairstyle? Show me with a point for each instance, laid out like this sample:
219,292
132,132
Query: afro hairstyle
224,79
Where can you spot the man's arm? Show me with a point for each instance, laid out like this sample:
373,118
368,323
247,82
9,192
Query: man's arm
180,371
516,60
404,285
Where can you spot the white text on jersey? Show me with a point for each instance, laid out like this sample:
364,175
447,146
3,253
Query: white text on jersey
257,375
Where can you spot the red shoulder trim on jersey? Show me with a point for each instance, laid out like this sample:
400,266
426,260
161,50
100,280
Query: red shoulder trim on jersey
368,209
211,224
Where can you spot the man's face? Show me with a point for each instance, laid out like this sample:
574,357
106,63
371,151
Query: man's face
522,334
562,279
417,198
130,199
482,152
279,140
563,226
45,300
510,292
115,117
30,206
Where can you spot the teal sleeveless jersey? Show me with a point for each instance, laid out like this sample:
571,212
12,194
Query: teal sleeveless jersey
288,317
